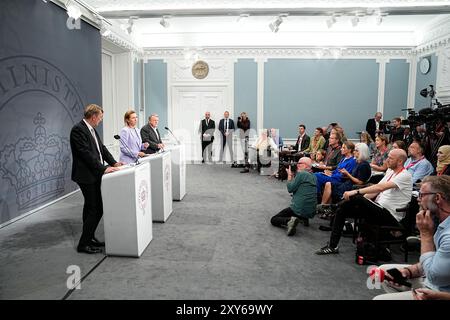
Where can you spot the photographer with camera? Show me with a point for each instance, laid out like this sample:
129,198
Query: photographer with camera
302,185
396,130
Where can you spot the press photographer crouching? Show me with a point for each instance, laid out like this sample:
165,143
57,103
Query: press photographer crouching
303,186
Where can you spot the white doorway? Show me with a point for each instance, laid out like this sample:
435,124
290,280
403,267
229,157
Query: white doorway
189,104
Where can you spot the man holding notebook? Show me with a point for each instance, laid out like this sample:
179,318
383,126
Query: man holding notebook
376,203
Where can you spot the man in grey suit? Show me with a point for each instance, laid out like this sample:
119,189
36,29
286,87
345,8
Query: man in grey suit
150,134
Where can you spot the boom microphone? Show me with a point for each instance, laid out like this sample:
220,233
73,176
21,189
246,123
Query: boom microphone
178,142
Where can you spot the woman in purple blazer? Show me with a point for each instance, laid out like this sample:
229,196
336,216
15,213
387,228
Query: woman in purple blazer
131,138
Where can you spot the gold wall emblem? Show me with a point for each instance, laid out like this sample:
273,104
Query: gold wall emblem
200,69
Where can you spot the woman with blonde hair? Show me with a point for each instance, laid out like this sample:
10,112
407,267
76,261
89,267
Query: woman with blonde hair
131,147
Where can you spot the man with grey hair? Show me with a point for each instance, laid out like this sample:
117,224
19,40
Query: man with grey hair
303,186
432,273
392,192
150,134
375,126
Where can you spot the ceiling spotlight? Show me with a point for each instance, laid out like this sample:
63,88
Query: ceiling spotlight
73,11
275,26
165,21
354,21
331,21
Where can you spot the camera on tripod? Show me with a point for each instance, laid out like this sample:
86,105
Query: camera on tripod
429,116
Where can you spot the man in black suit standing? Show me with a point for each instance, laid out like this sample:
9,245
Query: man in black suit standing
226,128
89,155
150,134
375,126
207,127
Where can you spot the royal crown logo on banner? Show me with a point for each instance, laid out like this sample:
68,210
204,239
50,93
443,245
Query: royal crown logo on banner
35,166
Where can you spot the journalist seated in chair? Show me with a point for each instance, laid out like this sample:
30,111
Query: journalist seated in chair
379,158
432,272
333,156
302,185
399,144
131,147
319,158
266,149
365,137
443,160
348,162
316,143
392,192
334,191
417,164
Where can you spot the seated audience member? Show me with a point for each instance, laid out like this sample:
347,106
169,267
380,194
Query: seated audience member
367,139
392,192
131,147
334,191
407,136
333,156
417,164
432,272
302,185
316,143
263,145
400,144
396,131
302,139
443,161
319,157
341,132
274,134
348,162
379,158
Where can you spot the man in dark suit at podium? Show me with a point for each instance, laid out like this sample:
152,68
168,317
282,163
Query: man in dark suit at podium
226,128
375,126
207,127
150,134
89,155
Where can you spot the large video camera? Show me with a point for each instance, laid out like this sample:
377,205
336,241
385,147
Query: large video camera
429,116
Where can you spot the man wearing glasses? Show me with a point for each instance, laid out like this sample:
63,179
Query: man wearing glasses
304,200
430,277
392,192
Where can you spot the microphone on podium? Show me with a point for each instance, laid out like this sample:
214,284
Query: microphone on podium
117,137
178,142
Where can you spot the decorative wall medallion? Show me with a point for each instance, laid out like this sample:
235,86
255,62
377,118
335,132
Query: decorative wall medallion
200,69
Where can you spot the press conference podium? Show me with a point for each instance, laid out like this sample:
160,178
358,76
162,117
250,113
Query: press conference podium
161,180
127,207
178,171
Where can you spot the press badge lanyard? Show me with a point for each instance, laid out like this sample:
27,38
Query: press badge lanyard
413,163
394,174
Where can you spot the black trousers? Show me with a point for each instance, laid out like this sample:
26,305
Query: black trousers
92,211
208,146
359,207
281,219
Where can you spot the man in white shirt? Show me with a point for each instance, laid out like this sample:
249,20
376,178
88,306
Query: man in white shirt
392,192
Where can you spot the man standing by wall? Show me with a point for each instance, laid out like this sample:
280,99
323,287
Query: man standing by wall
207,127
375,126
226,128
150,134
89,155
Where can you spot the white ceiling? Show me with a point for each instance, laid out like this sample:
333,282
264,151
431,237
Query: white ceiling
213,23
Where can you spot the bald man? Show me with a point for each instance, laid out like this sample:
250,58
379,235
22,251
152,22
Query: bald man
304,199
392,192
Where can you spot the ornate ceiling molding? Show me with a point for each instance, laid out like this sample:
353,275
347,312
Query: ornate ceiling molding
314,53
434,37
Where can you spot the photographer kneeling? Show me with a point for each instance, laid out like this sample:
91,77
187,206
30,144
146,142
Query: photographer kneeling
303,205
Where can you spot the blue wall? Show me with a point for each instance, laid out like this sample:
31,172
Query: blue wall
423,81
245,89
317,92
155,72
396,89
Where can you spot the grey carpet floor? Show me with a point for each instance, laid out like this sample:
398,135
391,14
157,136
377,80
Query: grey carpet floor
217,244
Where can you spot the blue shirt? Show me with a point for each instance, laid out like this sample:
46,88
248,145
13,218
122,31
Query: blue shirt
436,264
419,169
346,163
